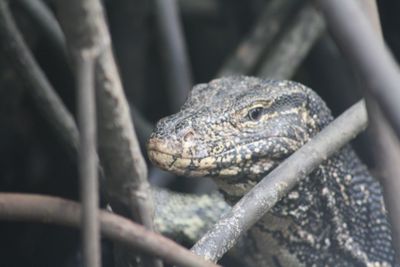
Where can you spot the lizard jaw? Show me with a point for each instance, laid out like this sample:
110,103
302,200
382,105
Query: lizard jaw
218,166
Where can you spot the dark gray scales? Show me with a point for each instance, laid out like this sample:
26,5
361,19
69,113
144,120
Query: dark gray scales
236,130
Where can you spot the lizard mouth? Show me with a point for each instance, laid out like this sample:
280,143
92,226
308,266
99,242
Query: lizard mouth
163,155
194,167
221,165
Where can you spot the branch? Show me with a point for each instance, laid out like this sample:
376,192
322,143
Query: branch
368,55
44,18
279,182
54,210
126,173
172,45
290,50
40,89
386,149
282,38
251,49
384,143
124,166
89,184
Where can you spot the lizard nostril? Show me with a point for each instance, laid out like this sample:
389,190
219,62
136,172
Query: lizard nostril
188,136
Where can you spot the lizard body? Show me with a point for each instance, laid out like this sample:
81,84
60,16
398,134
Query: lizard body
236,130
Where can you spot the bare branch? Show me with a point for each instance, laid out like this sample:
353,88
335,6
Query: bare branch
124,166
387,157
54,210
85,43
287,54
377,68
45,19
176,61
88,159
40,89
384,143
126,172
279,182
282,37
250,51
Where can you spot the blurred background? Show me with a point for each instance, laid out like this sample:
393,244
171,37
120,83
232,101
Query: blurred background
162,48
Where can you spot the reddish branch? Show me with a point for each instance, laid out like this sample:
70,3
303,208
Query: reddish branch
53,210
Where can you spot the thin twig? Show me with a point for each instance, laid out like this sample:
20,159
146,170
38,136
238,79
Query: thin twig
173,48
54,210
368,55
279,182
88,160
40,89
290,50
250,51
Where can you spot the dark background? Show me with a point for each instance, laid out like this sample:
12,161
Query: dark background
31,158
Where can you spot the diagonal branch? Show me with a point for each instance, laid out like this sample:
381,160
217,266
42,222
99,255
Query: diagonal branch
44,18
284,58
266,30
40,89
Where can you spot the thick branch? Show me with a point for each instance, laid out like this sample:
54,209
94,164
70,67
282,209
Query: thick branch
387,157
44,209
369,56
384,143
122,161
279,182
126,172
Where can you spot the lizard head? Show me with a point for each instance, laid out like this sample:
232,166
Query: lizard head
237,129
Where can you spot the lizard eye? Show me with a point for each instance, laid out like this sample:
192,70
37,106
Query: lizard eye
255,113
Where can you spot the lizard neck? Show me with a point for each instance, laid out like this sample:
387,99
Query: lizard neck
335,216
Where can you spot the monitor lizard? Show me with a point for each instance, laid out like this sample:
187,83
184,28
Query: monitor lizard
236,130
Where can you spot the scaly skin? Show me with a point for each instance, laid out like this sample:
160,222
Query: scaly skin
238,129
